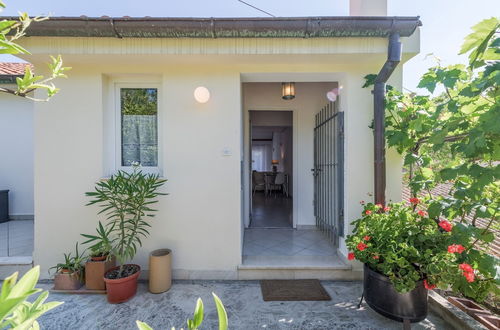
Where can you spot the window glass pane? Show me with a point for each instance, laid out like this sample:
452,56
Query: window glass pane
139,110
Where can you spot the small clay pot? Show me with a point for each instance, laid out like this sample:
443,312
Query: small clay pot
121,289
101,258
67,281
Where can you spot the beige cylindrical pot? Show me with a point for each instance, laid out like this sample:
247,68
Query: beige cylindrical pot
160,270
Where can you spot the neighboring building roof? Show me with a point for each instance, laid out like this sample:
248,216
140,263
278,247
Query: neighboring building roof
275,27
444,189
9,71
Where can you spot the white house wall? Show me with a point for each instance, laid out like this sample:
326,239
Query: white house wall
16,154
201,218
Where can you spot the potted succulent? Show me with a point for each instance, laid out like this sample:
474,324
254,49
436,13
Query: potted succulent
126,200
100,260
405,253
69,274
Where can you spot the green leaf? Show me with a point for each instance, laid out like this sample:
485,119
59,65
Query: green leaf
143,326
477,41
221,311
434,209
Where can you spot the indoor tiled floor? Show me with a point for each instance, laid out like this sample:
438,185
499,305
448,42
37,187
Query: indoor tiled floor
286,242
16,238
273,211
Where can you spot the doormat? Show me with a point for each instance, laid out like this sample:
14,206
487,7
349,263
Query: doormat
293,290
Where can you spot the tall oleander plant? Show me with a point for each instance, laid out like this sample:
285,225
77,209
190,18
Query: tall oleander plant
126,200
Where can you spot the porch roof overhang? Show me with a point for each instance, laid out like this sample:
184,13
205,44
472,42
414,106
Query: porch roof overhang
272,27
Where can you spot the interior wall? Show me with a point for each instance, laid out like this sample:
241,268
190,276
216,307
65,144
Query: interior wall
310,98
16,153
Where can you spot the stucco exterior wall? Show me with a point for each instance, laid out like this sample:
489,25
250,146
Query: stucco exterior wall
16,154
201,218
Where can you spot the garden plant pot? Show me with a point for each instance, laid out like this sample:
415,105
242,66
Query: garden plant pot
94,273
121,289
381,296
160,270
67,281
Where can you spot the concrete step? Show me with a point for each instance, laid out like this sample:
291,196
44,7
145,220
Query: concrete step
296,267
10,265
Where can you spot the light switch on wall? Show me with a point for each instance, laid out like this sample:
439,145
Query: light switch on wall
227,152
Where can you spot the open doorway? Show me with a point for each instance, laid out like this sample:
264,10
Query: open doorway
271,141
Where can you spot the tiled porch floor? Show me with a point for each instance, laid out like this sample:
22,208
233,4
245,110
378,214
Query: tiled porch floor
286,242
16,238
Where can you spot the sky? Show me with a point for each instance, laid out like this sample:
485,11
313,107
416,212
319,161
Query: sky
445,22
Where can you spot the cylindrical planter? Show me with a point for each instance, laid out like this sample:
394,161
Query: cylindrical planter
67,281
160,270
381,296
121,289
94,273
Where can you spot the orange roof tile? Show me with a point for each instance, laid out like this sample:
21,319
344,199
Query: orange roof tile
12,69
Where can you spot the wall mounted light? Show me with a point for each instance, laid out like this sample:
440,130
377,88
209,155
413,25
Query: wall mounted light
202,94
288,90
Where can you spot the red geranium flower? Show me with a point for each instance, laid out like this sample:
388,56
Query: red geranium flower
387,209
445,225
456,248
350,256
422,213
469,276
414,200
368,212
366,238
466,268
362,246
376,257
429,286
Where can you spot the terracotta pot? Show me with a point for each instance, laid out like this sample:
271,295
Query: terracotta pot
121,289
160,270
67,281
94,273
101,258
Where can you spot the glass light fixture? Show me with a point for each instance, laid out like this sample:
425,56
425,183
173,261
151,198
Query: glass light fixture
288,90
201,94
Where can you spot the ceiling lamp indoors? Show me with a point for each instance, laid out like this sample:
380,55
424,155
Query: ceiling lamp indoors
202,94
288,90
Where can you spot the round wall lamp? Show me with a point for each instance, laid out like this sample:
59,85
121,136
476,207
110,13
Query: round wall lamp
202,94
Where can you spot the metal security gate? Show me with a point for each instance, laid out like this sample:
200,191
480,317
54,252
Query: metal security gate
328,171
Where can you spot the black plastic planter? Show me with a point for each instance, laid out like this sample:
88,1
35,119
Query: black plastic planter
4,206
381,296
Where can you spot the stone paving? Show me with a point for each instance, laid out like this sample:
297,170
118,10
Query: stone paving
243,301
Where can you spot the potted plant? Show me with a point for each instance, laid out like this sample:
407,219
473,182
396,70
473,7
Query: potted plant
69,274
405,253
100,260
126,199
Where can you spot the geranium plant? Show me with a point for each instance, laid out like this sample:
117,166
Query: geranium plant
403,243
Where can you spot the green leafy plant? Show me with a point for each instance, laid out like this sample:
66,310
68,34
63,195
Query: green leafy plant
10,32
462,121
126,200
405,244
101,243
195,323
72,263
15,311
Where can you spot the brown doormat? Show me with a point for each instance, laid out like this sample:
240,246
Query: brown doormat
293,290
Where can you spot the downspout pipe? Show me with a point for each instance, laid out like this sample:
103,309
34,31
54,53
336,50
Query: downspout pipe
393,59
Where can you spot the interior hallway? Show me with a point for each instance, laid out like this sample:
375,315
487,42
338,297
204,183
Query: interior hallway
273,211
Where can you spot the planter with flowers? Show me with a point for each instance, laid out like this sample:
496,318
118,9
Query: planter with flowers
405,253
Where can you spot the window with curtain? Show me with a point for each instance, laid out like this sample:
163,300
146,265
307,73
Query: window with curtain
261,158
139,126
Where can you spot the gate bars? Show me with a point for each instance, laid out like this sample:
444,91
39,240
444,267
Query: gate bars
328,171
